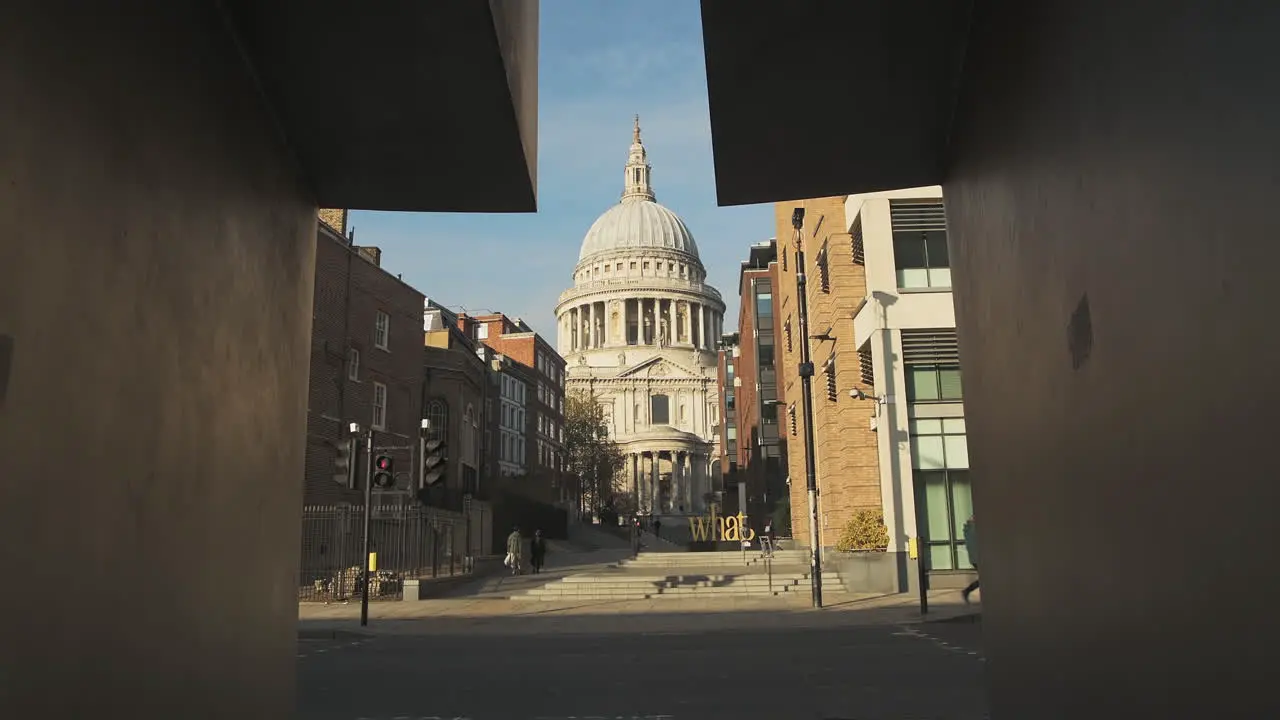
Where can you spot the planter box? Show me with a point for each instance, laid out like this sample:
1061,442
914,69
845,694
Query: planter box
871,572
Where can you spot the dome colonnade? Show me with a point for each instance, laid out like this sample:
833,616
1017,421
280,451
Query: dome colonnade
639,330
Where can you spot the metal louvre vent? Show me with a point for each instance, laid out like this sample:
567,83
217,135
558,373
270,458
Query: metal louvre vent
856,245
786,330
866,370
930,347
791,418
917,215
824,269
829,369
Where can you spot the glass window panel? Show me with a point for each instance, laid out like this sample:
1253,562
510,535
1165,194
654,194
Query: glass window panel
949,380
764,304
940,557
933,496
927,453
938,277
962,558
926,426
953,426
909,249
935,242
913,278
922,384
957,448
961,500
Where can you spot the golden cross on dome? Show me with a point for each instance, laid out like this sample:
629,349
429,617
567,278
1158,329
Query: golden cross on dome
635,133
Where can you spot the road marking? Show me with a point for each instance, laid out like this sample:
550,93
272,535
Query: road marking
318,651
906,631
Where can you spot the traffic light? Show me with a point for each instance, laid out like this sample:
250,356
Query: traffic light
433,462
343,467
383,472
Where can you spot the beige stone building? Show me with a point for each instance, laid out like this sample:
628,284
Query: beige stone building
845,444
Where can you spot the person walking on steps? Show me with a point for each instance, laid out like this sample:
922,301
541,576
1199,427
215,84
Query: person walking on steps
515,551
971,544
537,552
657,528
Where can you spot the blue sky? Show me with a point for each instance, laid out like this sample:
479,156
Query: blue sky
602,61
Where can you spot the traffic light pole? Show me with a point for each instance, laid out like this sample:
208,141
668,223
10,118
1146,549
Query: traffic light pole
806,398
368,501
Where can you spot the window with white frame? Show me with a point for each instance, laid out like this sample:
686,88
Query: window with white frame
920,244
379,406
382,331
353,364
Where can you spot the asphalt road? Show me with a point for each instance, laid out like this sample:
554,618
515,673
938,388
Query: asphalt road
926,672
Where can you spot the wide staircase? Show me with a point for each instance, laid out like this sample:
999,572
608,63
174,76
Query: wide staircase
673,576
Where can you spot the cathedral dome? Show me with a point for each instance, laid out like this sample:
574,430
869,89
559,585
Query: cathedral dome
637,223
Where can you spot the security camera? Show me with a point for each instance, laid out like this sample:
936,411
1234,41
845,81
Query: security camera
857,394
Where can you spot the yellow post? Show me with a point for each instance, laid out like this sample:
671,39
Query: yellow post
373,562
913,549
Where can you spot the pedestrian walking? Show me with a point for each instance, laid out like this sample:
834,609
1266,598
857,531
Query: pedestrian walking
537,552
657,528
515,551
971,544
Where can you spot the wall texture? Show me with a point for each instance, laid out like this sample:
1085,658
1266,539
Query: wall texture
1112,227
155,277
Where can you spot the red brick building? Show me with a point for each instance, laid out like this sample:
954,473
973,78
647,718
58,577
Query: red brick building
544,440
751,396
366,363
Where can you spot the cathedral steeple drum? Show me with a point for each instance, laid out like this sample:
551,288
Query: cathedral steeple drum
637,183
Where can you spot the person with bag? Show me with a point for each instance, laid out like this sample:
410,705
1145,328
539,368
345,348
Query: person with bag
971,544
515,551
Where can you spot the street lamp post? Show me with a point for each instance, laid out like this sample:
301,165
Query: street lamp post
806,398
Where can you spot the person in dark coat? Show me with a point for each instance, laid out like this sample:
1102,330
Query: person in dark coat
538,551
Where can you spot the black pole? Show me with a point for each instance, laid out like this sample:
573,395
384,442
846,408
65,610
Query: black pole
806,397
368,500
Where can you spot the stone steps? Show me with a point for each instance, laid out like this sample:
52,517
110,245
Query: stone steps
611,586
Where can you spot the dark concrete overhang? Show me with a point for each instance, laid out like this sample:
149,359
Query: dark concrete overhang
413,105
814,98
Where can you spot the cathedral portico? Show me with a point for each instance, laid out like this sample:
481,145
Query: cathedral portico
639,330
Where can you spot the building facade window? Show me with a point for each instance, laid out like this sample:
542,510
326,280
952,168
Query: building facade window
920,244
353,364
379,420
944,497
382,331
659,410
437,420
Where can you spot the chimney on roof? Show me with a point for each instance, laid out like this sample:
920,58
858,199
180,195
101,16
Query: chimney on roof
372,254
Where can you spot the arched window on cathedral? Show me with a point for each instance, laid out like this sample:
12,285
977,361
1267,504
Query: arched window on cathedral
438,416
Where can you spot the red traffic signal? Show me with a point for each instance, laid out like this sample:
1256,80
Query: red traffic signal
383,472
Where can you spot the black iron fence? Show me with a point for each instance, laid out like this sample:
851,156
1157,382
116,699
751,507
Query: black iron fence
405,542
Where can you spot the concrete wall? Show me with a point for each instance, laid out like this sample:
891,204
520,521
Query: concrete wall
155,275
1111,203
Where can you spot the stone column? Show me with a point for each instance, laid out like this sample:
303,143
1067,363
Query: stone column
671,322
702,328
591,325
655,489
688,323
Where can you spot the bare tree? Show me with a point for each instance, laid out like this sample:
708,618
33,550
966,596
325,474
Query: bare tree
593,456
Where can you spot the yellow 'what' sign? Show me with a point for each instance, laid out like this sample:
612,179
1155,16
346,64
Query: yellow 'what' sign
725,529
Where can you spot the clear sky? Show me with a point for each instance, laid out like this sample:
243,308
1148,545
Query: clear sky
602,62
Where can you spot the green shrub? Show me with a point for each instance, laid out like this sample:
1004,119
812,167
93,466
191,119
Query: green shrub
782,518
866,531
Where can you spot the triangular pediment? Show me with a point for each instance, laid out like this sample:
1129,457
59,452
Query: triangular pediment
658,367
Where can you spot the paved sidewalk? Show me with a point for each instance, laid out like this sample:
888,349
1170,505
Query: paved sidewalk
481,615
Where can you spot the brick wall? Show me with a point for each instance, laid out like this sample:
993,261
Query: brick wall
456,376
846,457
335,219
349,291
